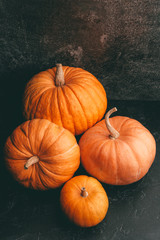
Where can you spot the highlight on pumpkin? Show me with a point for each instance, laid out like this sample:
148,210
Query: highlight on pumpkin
67,96
84,201
42,155
117,150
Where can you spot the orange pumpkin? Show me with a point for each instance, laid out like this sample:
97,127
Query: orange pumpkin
119,151
68,96
84,201
42,155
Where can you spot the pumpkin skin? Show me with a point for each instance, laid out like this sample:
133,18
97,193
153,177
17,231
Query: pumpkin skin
84,201
77,103
121,160
53,149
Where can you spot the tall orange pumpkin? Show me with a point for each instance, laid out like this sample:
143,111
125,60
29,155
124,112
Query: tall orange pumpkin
84,201
119,151
42,155
68,96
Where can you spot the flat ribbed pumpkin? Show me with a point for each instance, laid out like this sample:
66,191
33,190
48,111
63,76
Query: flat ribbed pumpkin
119,151
84,201
42,155
68,96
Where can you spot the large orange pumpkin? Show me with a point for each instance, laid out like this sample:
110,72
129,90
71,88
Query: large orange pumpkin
42,155
84,201
119,151
68,96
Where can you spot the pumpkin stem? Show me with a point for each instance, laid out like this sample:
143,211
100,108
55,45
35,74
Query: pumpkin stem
31,161
84,193
113,132
59,77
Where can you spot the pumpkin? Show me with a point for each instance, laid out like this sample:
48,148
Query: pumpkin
68,96
118,151
84,201
41,155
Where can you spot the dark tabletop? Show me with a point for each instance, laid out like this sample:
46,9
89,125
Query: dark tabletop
134,210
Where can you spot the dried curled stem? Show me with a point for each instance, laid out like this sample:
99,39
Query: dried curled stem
113,132
31,161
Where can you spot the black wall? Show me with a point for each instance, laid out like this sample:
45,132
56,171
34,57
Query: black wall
116,40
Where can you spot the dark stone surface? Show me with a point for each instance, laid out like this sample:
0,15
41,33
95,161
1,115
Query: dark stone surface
134,211
117,41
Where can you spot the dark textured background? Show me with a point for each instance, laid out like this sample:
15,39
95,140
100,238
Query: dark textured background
117,41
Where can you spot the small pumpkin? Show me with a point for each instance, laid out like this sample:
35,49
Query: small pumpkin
68,96
84,201
41,155
118,151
